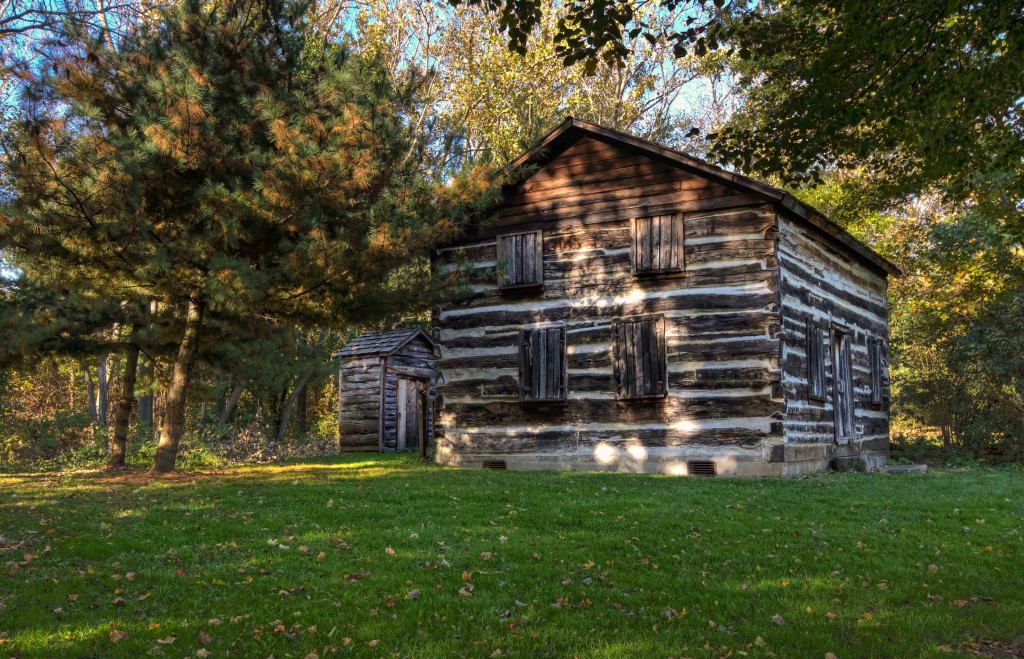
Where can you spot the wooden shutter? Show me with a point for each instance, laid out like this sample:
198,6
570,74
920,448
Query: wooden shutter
641,362
520,259
542,363
875,359
842,386
658,244
815,362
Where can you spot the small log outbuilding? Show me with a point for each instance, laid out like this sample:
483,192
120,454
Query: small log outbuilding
386,391
635,308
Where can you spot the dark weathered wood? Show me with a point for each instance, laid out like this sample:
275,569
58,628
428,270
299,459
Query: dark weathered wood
815,361
542,364
875,359
368,403
520,260
684,298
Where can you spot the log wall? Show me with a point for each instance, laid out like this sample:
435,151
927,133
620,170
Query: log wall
821,282
721,312
359,395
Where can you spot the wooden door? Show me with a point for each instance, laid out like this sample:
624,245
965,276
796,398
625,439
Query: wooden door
842,387
410,414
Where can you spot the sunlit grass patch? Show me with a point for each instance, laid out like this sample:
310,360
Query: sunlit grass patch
382,555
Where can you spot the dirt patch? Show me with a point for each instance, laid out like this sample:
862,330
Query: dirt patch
996,648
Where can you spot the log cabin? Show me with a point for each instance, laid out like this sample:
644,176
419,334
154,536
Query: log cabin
634,308
385,391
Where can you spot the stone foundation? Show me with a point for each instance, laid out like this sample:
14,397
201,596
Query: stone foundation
769,460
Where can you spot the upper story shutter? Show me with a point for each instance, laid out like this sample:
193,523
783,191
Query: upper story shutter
658,244
520,259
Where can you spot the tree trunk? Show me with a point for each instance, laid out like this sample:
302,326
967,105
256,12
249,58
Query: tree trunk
232,403
302,409
146,401
282,425
173,426
223,384
122,414
946,431
102,363
90,392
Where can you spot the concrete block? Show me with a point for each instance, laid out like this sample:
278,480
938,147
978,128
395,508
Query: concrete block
903,469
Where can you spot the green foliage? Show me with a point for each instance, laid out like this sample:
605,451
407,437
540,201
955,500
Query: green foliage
483,102
356,553
924,91
226,161
593,33
35,443
956,314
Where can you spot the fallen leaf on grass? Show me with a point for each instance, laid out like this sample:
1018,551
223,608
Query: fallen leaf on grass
116,636
389,551
777,619
203,653
130,576
413,594
831,616
166,641
213,622
467,590
203,638
373,643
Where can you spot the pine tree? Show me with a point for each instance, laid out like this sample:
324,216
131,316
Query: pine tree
228,163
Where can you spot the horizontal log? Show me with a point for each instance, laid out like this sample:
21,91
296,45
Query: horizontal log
589,411
630,197
600,215
523,314
553,440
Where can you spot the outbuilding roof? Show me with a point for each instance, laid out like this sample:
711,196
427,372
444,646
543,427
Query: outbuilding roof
382,343
572,129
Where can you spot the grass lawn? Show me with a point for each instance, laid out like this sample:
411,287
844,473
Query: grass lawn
383,556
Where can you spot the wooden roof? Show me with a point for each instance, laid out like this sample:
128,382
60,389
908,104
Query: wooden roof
572,129
382,343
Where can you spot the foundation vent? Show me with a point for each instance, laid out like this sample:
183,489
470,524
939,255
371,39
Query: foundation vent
700,468
495,464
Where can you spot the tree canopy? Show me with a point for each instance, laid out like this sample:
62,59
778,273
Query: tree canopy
227,162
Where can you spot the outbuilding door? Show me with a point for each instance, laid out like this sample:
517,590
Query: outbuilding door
410,414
